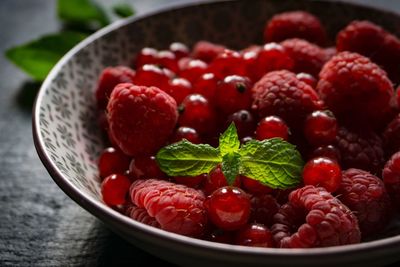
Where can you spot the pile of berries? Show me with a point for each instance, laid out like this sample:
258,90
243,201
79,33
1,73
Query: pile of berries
336,104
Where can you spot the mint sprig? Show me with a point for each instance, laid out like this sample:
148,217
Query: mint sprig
273,162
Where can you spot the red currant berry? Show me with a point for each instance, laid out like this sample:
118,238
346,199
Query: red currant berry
167,60
114,189
197,113
187,133
244,122
207,51
228,63
206,85
250,61
228,208
179,88
112,161
307,78
270,127
233,94
322,172
147,55
320,128
328,151
145,167
191,181
152,75
254,187
180,50
254,235
216,179
191,69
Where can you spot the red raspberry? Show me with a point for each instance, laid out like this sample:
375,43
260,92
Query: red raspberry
145,167
361,149
320,128
370,40
180,50
109,78
179,88
112,161
330,52
391,179
270,127
176,208
391,136
206,85
366,196
314,218
233,94
244,123
351,85
207,51
191,69
307,57
254,235
187,133
141,118
263,209
295,24
280,93
323,172
114,189
141,215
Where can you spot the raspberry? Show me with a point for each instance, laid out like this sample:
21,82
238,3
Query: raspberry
114,189
295,24
141,215
176,208
391,136
366,196
263,209
314,218
254,235
322,172
360,149
351,85
109,78
307,78
141,118
280,93
112,161
391,179
370,40
207,51
307,57
244,122
270,127
320,128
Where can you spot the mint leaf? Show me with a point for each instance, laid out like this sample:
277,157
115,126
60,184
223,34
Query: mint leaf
187,159
230,166
38,57
123,10
229,140
81,12
273,162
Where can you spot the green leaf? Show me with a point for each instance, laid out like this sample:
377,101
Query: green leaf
187,159
81,12
229,140
123,10
38,57
230,166
273,162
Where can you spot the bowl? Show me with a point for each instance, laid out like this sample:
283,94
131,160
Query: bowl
68,140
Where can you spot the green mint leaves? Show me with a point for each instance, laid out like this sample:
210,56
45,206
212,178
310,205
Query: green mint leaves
274,162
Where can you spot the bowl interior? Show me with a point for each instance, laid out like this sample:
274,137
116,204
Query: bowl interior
66,129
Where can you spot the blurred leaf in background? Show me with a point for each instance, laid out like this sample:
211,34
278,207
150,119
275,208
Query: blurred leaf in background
39,56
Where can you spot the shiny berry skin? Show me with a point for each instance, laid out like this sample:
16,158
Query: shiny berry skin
216,179
180,50
228,208
191,181
206,85
179,88
114,189
233,94
207,51
147,55
167,59
112,161
254,235
191,69
328,151
145,167
320,128
187,133
197,113
244,122
307,78
151,75
322,172
270,127
254,187
228,63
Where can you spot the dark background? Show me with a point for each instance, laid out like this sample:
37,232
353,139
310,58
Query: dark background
39,224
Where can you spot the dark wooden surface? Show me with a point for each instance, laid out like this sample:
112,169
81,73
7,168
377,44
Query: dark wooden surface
39,224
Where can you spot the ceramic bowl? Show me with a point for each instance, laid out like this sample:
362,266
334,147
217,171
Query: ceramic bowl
68,140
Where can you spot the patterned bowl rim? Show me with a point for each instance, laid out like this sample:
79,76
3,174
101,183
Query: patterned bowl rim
100,210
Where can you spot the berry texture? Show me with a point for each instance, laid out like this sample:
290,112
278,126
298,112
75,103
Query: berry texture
114,189
270,127
391,179
254,235
391,136
322,172
360,149
295,24
351,85
176,208
314,218
263,209
141,215
366,196
207,51
280,93
133,114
